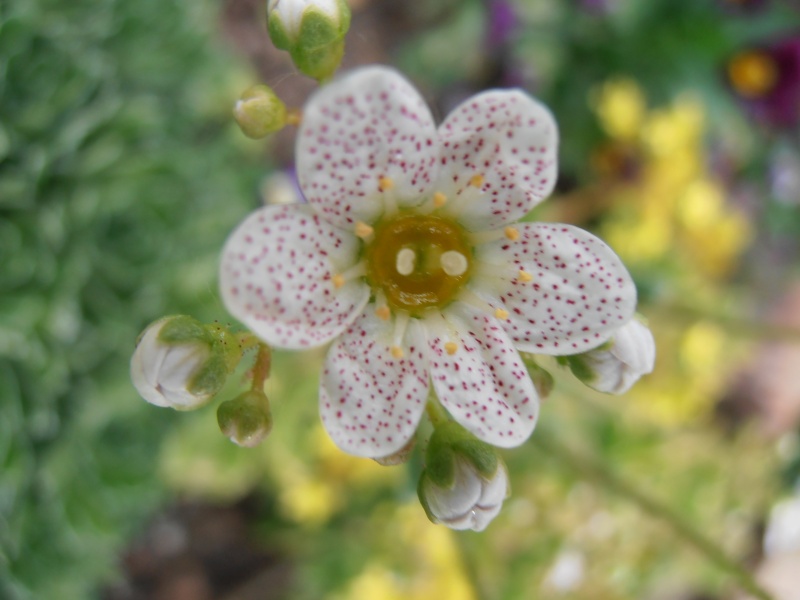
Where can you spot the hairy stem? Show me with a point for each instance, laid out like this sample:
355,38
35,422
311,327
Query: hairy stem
601,475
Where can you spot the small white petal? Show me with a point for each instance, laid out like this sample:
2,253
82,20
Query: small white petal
483,384
276,277
578,295
371,402
370,124
510,141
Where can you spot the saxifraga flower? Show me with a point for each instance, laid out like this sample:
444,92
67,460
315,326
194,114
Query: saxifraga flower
409,258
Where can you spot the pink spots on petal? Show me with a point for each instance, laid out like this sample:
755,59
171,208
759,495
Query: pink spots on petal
371,390
275,277
369,124
593,291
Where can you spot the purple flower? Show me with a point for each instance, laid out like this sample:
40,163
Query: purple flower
767,79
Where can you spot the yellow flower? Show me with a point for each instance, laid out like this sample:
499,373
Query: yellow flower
620,105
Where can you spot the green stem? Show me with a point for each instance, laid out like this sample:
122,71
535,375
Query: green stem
436,412
600,474
261,367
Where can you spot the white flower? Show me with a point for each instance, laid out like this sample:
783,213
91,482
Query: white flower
182,375
408,258
473,500
615,366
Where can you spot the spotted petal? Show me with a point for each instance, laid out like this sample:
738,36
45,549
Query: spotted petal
484,384
510,140
371,402
275,277
366,126
579,294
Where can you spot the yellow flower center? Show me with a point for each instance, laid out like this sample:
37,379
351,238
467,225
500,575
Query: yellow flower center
752,74
418,261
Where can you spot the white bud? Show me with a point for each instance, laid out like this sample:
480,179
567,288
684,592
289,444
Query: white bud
167,373
472,501
616,366
290,12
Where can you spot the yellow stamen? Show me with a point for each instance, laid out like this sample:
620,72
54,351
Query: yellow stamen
525,277
476,181
439,199
501,314
512,233
385,183
451,348
363,230
397,352
338,281
383,313
357,270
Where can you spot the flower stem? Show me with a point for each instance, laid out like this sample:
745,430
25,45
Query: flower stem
261,367
436,412
600,474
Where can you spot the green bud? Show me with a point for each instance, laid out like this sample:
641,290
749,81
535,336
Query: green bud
312,31
245,420
259,112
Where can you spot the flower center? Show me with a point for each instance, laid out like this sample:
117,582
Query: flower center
418,261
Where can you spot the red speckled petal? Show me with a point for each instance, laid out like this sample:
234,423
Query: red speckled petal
580,292
371,402
275,277
370,124
509,139
484,385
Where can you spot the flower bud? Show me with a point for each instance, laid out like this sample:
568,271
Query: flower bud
312,31
178,363
464,483
259,112
245,420
616,365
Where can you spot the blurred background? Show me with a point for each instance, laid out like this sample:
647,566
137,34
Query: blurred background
122,172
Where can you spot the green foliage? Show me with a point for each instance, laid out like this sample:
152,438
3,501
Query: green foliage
119,178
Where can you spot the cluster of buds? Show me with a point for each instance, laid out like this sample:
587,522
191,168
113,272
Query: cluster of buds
183,364
313,32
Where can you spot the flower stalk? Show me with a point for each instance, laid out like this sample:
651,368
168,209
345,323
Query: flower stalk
598,473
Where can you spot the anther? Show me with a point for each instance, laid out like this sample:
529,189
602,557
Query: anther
453,263
512,233
397,352
383,313
400,323
439,199
357,270
385,183
363,230
525,277
476,181
501,314
405,261
294,116
451,348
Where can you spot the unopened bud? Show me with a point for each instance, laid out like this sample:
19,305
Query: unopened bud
178,363
464,483
542,379
245,420
312,31
619,363
259,112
